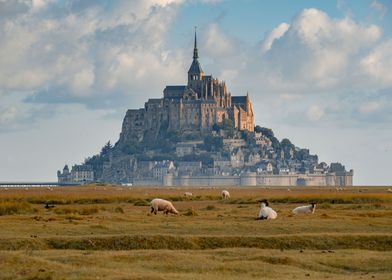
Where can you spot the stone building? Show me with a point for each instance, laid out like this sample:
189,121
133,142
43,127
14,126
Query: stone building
185,148
162,168
65,176
191,108
189,168
79,174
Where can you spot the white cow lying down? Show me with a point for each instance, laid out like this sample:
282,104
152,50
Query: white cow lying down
158,204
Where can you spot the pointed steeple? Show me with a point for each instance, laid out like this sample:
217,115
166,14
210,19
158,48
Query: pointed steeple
195,72
195,51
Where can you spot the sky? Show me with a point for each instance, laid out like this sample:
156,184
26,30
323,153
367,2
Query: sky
318,73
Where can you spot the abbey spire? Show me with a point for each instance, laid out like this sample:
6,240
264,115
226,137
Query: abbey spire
195,73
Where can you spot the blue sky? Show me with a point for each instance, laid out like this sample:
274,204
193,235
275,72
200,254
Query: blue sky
318,72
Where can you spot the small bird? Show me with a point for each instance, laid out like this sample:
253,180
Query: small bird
47,206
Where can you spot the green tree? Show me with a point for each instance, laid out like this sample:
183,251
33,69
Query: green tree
105,151
227,124
267,132
212,143
286,144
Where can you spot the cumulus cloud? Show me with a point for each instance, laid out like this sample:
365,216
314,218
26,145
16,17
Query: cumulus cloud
275,34
316,51
98,53
378,64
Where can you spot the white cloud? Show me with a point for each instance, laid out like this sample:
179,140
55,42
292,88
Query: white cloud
275,34
40,4
80,54
317,52
217,43
378,64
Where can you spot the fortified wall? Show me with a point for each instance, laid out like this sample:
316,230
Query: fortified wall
253,179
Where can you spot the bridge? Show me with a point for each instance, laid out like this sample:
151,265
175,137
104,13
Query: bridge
36,184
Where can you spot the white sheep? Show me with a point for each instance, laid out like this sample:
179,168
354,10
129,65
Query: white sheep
266,213
306,209
188,194
158,204
389,190
225,194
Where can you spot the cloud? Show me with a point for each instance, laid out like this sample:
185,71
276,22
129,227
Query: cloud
217,43
316,52
378,64
112,54
97,53
275,34
221,54
379,7
17,118
9,9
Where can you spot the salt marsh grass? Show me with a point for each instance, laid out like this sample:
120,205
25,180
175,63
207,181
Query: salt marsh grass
100,231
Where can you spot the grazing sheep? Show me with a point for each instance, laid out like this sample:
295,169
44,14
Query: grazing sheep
390,190
266,213
188,194
225,194
158,204
306,209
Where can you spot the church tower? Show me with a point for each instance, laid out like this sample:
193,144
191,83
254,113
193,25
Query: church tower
195,73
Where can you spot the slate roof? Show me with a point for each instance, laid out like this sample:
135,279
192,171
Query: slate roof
195,67
238,99
175,88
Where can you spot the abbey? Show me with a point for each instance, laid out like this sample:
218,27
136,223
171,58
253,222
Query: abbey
195,107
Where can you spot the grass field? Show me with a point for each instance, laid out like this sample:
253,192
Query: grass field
107,232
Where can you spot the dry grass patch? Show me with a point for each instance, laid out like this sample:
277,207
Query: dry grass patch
209,264
11,208
190,212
